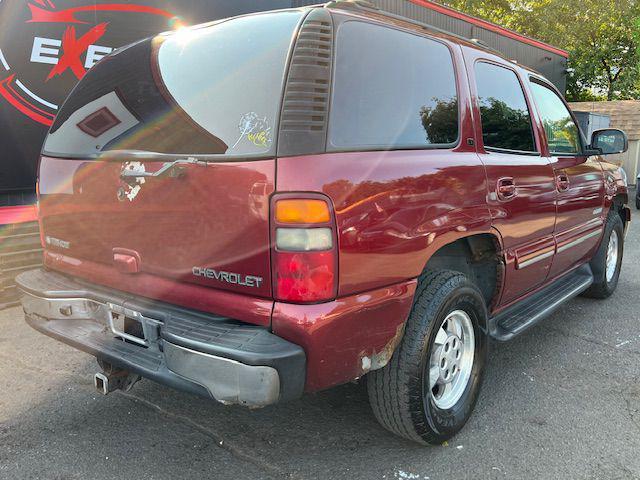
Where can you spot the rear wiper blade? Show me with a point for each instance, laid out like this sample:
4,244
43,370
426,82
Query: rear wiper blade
171,168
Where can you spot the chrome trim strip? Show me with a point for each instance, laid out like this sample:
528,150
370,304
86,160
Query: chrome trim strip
536,259
578,241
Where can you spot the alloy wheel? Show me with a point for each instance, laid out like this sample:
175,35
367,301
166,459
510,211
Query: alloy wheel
451,360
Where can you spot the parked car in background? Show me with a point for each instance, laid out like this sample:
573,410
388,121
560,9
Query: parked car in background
328,193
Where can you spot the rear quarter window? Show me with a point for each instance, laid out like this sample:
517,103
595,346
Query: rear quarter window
392,89
228,78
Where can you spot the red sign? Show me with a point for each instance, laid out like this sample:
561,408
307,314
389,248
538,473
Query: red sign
69,42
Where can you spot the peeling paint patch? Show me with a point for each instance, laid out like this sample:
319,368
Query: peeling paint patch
379,359
131,191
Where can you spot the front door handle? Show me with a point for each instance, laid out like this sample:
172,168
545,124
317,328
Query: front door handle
506,188
562,182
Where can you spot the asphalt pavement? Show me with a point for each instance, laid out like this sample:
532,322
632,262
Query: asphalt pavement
561,401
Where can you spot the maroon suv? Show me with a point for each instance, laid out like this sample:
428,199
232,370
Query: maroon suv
282,202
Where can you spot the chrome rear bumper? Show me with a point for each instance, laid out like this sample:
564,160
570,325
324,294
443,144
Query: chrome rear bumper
217,357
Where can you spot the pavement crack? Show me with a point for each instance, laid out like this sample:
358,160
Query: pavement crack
631,411
17,363
236,451
592,340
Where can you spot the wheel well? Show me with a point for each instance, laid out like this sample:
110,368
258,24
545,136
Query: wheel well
477,257
619,203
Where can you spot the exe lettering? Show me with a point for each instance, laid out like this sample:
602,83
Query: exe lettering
228,277
47,50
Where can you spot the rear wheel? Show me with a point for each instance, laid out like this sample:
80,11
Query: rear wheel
607,261
426,393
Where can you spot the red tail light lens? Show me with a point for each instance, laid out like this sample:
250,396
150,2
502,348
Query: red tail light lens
305,250
305,277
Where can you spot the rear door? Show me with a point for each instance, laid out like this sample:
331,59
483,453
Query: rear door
521,188
161,161
579,181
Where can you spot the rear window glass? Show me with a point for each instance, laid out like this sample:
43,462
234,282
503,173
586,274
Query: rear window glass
506,122
207,90
392,89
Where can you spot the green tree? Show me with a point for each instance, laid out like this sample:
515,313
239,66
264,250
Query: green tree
440,121
602,37
505,127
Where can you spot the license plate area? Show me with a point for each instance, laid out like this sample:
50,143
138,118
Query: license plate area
130,325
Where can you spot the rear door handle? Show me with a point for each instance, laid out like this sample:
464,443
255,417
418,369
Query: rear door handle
562,182
506,188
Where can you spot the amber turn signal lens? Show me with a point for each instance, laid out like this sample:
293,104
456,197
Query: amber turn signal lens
302,211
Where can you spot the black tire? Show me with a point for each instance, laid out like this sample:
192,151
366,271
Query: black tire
601,287
638,203
396,392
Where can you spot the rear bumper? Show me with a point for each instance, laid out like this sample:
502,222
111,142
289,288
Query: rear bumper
216,357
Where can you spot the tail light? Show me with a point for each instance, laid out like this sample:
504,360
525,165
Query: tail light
305,254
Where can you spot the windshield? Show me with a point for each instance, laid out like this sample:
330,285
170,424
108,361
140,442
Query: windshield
206,90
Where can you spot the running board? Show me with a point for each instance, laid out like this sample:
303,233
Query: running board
527,313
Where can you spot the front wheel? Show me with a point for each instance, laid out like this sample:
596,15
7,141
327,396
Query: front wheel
607,261
427,391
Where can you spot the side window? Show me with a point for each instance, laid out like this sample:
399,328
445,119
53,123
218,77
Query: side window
506,122
392,89
562,132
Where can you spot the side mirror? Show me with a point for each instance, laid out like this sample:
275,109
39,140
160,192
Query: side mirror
608,141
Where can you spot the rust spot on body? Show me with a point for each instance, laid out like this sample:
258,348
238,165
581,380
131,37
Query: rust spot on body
379,359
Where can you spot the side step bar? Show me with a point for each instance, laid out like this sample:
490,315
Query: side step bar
525,314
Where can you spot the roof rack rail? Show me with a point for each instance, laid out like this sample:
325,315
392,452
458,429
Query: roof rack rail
368,6
351,4
485,45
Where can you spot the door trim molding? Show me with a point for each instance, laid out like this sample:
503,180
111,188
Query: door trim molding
579,240
536,259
